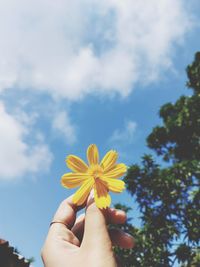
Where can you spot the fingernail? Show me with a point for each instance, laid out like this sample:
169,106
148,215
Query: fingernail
90,197
130,240
129,235
91,193
120,211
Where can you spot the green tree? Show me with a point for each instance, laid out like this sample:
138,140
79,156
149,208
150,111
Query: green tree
168,195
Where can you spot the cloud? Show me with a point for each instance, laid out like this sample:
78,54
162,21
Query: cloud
123,139
72,48
125,136
69,49
17,157
62,124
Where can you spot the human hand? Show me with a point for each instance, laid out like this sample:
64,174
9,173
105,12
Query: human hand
84,241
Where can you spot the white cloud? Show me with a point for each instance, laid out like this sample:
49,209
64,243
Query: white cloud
62,124
17,157
125,136
71,48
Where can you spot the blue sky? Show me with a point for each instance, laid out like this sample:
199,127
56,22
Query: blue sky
72,74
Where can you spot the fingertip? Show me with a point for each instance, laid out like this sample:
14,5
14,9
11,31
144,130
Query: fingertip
116,216
121,239
129,241
121,216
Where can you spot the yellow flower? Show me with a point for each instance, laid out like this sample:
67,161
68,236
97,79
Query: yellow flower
100,176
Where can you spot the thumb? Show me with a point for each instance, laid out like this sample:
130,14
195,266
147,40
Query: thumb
95,230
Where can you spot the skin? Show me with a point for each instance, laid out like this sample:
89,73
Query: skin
84,241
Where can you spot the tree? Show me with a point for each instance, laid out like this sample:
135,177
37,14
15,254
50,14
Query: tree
168,195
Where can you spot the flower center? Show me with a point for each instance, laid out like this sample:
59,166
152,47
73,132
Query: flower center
96,171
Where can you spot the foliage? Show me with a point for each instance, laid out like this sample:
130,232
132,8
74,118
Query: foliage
31,260
168,196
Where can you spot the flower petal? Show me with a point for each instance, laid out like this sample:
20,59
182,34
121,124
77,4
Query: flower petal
116,172
71,180
101,196
109,160
93,154
113,185
82,193
76,164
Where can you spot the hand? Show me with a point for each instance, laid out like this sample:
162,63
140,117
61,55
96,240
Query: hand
84,241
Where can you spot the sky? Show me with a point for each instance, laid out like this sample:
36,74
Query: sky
73,73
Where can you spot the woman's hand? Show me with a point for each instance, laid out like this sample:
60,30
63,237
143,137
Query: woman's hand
85,241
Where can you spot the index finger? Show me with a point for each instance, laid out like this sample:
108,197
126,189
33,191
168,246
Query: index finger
62,222
66,213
